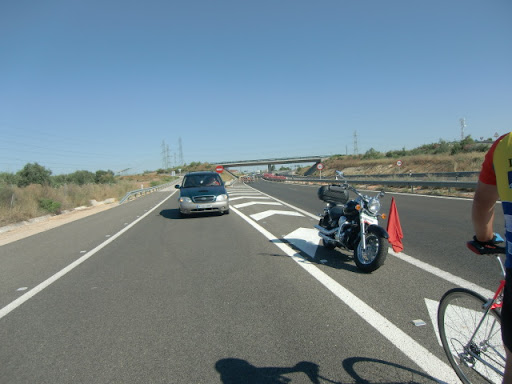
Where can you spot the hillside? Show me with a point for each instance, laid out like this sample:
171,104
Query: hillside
352,165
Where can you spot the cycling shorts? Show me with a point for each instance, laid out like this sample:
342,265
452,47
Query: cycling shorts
506,312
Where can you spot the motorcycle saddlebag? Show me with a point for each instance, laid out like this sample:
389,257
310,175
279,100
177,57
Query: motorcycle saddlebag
333,194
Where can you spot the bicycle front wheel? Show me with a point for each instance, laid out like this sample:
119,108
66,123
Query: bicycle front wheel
471,336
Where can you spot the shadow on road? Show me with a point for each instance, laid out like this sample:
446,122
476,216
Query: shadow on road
360,369
369,370
238,371
331,258
174,214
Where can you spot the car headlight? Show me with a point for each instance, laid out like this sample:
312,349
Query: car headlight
185,200
374,206
222,197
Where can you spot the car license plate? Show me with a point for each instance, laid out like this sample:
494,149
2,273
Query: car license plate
203,206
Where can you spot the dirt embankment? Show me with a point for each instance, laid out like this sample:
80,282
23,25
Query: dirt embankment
466,162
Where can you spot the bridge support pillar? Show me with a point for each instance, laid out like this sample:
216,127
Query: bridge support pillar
311,170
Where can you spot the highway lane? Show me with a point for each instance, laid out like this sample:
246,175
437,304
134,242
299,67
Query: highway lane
435,228
207,299
27,262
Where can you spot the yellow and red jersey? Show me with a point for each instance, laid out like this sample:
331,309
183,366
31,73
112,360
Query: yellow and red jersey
497,170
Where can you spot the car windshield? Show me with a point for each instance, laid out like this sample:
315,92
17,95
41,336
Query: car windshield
192,181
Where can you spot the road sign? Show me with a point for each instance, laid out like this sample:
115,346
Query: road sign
320,166
219,169
399,163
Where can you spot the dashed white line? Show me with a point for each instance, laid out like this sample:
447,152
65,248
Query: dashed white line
34,291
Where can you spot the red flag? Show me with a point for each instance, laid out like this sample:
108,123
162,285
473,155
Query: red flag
394,228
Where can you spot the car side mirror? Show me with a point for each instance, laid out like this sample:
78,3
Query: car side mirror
177,186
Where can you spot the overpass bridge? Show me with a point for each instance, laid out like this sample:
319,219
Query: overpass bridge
269,162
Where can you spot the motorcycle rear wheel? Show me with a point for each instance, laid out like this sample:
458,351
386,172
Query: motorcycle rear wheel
374,256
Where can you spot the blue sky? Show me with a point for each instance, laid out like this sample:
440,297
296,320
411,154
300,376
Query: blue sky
90,84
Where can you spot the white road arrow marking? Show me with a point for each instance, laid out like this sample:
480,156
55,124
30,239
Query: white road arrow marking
427,361
243,205
248,197
244,193
306,239
432,306
265,214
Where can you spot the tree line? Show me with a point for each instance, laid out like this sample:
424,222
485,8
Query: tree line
468,144
34,173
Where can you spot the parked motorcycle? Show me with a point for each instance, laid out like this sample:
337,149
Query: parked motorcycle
353,224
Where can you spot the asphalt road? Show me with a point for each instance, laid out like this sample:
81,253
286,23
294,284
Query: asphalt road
137,295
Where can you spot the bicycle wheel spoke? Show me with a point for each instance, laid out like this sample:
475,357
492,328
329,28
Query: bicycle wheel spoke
473,347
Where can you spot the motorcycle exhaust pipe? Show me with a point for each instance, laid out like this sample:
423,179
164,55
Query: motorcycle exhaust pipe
327,239
326,232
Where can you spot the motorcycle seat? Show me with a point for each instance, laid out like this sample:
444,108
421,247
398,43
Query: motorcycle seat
336,212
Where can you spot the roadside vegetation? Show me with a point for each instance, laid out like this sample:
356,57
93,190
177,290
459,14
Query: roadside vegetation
462,156
34,191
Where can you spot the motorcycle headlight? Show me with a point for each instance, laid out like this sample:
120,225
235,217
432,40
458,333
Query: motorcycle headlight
222,197
374,206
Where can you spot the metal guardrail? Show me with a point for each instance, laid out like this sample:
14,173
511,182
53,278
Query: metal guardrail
447,175
401,183
144,191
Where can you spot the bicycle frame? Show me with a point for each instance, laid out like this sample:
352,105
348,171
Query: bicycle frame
497,300
494,303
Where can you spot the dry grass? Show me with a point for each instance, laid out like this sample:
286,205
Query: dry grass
21,204
351,165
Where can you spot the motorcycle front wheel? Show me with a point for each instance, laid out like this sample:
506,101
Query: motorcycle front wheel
373,257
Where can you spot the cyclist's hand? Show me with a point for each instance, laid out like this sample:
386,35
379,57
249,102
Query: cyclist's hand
490,247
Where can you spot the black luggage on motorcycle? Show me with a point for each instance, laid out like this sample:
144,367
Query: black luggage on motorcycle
333,194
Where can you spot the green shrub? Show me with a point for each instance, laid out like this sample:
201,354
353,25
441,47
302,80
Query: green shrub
50,205
372,154
82,177
33,174
104,177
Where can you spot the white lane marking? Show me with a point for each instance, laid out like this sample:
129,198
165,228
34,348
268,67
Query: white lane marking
22,299
271,212
243,205
432,306
417,263
442,274
306,239
305,213
248,197
248,192
427,361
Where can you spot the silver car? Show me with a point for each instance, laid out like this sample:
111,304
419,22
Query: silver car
203,192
